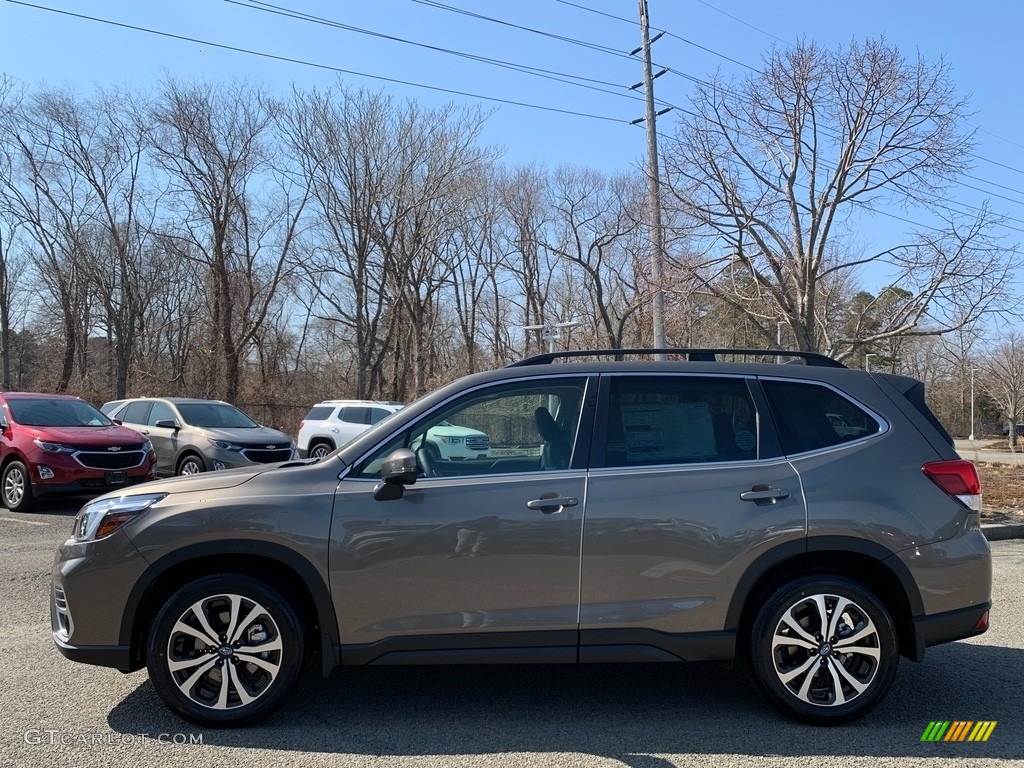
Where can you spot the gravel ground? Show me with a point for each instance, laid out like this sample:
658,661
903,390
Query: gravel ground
56,713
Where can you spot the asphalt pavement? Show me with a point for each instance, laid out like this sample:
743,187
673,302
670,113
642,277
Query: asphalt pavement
57,713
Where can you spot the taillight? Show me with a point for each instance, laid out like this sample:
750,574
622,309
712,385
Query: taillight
302,424
958,478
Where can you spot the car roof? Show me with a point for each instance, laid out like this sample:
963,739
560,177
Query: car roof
174,400
28,395
360,402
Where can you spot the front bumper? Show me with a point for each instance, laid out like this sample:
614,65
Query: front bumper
116,656
91,604
92,486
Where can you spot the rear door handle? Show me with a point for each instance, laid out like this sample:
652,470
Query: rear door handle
143,431
551,504
764,494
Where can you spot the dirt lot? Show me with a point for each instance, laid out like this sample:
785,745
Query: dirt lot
1002,489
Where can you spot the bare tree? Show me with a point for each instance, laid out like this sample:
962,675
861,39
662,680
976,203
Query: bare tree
1003,379
595,219
774,169
212,141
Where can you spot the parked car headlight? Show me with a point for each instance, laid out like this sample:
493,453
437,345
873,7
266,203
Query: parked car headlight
224,445
452,440
54,447
147,447
102,517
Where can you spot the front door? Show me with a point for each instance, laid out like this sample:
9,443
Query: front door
482,555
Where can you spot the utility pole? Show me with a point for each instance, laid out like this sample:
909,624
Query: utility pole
653,179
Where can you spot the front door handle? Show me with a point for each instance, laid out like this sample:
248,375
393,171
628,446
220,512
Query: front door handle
764,494
143,431
551,504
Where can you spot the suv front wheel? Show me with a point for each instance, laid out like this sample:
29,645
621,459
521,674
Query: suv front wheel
823,649
16,487
225,650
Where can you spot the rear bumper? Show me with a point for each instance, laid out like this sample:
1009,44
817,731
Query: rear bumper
951,625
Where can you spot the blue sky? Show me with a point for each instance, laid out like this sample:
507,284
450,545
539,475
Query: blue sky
980,40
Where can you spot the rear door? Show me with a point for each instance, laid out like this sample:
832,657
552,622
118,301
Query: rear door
686,489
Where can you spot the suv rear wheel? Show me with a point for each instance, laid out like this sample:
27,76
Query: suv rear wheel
17,487
823,649
225,650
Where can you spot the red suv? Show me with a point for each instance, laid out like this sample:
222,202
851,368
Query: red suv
58,444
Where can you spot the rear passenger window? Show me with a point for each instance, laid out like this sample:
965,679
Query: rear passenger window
679,420
810,416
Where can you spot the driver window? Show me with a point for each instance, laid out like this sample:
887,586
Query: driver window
511,428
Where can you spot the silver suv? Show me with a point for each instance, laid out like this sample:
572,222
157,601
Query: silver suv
190,436
628,510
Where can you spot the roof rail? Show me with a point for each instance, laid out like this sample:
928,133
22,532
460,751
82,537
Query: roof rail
692,354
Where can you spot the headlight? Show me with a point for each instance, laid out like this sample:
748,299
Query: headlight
104,516
452,440
224,445
147,447
54,447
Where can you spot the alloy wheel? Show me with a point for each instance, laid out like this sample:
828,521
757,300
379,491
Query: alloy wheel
826,650
14,487
225,651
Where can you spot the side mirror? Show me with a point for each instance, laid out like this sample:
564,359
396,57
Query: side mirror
118,422
167,424
398,470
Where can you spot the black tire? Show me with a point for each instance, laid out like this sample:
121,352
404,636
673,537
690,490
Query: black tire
16,486
320,449
808,675
196,690
190,460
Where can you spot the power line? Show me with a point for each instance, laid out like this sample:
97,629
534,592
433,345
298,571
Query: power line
744,23
666,32
562,77
339,70
317,65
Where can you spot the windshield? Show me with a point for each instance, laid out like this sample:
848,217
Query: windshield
220,415
56,412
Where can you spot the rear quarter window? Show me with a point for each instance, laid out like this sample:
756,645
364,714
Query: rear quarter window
319,413
811,416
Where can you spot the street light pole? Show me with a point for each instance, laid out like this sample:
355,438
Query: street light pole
867,361
550,333
971,436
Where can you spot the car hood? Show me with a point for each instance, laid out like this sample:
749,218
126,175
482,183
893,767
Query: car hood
259,437
205,481
454,431
88,436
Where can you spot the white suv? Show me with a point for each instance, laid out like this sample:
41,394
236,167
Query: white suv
334,422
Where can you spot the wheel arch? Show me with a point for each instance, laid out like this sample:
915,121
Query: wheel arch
276,565
862,561
315,440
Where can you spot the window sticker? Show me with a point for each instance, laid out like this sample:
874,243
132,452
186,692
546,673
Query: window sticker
668,431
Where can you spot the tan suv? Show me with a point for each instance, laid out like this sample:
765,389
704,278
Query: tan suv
628,510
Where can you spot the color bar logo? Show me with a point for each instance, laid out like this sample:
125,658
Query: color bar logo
958,730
